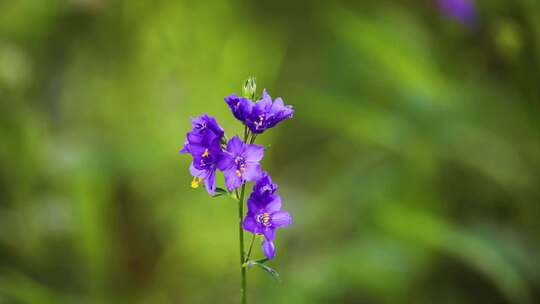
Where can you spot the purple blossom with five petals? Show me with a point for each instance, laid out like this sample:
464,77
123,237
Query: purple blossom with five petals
240,162
265,114
264,216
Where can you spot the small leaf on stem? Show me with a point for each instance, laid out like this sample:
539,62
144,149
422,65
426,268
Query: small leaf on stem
220,192
260,263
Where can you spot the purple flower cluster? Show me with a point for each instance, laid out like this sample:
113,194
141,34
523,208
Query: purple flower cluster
203,142
261,115
240,161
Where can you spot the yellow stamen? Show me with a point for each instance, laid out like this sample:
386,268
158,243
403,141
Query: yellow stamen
238,173
205,154
195,182
266,217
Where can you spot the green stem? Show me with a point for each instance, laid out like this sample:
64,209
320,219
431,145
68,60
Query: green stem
241,235
243,269
248,255
245,133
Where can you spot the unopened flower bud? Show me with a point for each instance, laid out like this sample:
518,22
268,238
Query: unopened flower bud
249,88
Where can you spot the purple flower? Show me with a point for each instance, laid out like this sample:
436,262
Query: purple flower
205,129
240,162
264,187
266,114
203,142
206,156
260,115
240,106
462,10
264,215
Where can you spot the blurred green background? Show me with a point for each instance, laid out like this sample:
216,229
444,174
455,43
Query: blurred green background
411,167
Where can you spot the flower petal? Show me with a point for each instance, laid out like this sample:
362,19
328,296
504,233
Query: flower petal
266,98
269,233
196,149
274,204
210,183
212,124
250,224
286,112
254,153
253,205
225,161
277,105
269,249
232,180
245,107
196,172
253,171
280,219
232,100
240,106
264,187
185,148
235,145
264,103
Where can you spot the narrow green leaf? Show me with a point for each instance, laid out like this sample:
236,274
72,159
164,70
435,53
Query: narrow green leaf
270,271
260,263
220,192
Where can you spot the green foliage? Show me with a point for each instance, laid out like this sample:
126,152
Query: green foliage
410,168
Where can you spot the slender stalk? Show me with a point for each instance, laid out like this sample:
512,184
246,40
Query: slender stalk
243,269
248,255
241,236
245,133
